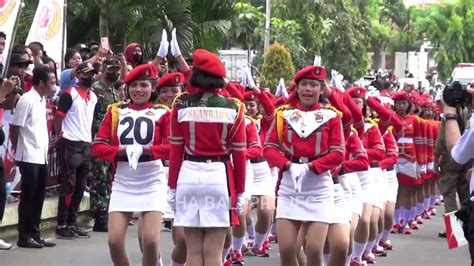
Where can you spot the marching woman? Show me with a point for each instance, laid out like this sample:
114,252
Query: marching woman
133,136
305,141
408,154
366,230
206,188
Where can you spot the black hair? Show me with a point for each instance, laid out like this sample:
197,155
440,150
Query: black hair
386,85
19,49
40,45
3,35
70,52
40,73
204,80
35,47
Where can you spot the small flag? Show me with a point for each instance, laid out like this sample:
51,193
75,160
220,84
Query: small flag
454,232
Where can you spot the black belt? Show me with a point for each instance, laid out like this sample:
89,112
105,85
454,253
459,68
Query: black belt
207,159
391,168
303,159
258,160
335,179
342,171
374,165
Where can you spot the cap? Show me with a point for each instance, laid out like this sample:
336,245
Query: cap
209,63
142,72
400,96
249,96
86,68
19,59
82,47
415,98
357,92
311,72
170,80
110,63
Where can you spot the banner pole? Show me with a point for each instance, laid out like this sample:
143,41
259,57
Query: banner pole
64,41
12,39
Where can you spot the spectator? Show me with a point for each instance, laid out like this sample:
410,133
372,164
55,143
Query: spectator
29,136
73,121
134,54
68,78
94,47
84,51
3,38
37,50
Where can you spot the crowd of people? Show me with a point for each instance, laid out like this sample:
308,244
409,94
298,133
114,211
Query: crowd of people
330,172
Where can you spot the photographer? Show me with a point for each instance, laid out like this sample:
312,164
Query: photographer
460,141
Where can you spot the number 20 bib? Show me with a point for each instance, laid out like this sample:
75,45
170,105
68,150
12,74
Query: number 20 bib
137,127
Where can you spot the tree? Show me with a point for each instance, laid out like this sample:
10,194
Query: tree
248,24
277,64
288,33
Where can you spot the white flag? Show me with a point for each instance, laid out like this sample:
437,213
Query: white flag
9,11
48,28
281,89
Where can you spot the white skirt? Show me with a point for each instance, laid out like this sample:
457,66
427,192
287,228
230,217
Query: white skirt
202,196
342,213
314,203
351,185
367,184
140,190
263,184
392,185
248,180
169,214
380,188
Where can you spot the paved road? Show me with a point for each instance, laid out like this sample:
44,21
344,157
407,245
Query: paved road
422,248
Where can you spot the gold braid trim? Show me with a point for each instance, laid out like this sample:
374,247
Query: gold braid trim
332,108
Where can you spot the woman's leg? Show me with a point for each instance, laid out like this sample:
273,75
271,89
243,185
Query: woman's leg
194,244
265,209
118,223
361,235
178,256
213,245
139,232
315,238
287,231
338,239
151,226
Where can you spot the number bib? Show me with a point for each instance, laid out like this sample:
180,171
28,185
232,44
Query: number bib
137,127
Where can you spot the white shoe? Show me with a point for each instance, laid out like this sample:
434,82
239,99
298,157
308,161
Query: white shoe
4,245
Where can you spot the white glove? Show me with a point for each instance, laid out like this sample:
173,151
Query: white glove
423,169
164,45
297,172
133,154
418,170
240,204
172,199
243,77
250,81
174,44
317,60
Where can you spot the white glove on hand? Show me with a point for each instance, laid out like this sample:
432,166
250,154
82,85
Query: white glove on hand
317,60
164,45
250,81
240,204
418,170
133,154
297,172
174,44
172,199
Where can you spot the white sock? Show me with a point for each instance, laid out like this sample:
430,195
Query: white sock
237,243
326,258
426,203
397,216
259,238
412,213
385,235
419,208
377,239
225,252
405,216
273,231
369,246
358,250
176,264
250,230
433,200
160,262
348,260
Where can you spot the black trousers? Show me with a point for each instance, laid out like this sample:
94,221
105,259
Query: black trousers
33,188
74,168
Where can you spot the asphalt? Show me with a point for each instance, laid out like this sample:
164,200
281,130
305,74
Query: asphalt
423,247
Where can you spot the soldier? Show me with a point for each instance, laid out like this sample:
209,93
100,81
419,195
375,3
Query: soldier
101,179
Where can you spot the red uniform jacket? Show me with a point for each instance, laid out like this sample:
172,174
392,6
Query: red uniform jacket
373,143
106,143
206,132
336,100
254,147
385,115
406,138
391,151
356,112
355,158
324,147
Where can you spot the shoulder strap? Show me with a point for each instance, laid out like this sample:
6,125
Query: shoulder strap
114,110
332,108
279,121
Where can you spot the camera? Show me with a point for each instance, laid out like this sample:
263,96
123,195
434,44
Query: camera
455,94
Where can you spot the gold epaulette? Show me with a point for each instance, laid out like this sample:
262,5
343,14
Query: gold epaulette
372,121
115,105
251,119
178,97
339,113
390,129
161,106
283,107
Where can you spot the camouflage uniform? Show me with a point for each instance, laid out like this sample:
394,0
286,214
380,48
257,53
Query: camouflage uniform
102,172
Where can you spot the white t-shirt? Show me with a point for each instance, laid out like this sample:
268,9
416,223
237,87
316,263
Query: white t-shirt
33,140
463,150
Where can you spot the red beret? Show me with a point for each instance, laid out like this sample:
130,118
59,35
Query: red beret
170,80
250,96
311,72
142,72
400,96
415,98
280,101
209,63
357,92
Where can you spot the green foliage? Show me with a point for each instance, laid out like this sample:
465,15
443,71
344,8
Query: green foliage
248,26
277,64
288,33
